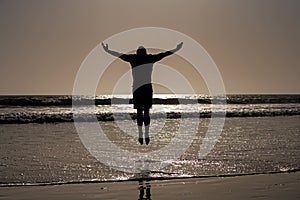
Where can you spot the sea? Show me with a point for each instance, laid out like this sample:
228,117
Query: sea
40,145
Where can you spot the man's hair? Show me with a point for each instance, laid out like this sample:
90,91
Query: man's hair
141,51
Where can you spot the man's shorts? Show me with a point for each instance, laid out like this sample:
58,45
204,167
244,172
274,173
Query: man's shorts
142,97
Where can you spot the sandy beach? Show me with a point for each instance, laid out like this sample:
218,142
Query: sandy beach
265,186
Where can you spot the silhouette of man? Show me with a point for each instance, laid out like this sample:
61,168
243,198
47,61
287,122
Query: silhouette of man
142,66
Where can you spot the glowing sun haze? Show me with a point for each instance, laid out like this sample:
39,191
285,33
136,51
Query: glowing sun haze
254,43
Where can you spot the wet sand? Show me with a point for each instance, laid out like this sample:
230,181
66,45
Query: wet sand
265,186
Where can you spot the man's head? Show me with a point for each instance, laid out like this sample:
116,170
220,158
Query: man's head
141,51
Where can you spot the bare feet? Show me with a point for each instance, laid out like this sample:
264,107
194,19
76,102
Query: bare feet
147,140
141,141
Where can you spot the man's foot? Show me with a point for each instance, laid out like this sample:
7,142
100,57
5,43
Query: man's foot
141,141
147,140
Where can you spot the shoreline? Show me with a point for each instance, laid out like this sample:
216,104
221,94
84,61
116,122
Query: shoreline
297,170
266,186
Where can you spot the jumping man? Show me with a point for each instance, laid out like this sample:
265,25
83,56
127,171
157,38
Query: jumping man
142,66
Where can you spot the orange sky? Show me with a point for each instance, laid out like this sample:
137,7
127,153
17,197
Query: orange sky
254,43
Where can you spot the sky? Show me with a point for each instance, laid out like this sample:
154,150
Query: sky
255,44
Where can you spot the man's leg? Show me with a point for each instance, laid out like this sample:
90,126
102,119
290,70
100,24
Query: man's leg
139,120
147,124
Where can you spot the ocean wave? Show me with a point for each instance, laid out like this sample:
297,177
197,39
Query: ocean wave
67,100
24,117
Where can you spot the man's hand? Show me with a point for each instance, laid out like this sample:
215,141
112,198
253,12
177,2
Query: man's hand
179,46
105,47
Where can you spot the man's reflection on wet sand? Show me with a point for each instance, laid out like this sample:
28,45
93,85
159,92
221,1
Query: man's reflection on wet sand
144,185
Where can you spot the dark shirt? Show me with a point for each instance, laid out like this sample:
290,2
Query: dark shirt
142,66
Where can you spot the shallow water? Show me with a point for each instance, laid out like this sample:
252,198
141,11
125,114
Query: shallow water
53,152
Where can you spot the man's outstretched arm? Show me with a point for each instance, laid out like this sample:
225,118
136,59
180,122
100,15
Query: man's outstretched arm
122,56
114,53
167,53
